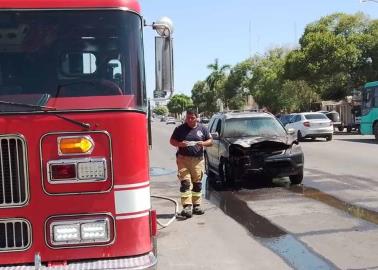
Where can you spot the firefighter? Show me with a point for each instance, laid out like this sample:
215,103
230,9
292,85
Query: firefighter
190,138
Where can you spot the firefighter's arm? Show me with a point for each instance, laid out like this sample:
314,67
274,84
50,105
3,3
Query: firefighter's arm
207,143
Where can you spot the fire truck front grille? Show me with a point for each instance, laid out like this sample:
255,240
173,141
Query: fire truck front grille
15,234
13,173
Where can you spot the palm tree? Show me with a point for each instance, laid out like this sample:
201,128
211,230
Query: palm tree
216,77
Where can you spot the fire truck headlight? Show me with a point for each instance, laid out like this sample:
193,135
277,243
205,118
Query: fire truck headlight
66,233
95,231
75,145
80,232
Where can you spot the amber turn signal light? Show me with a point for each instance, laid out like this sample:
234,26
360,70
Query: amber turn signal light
75,145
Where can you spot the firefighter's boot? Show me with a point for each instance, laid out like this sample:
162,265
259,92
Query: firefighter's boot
187,211
197,210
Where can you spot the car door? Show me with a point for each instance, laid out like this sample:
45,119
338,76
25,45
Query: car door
211,151
218,144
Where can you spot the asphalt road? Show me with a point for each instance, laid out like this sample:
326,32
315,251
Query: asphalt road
329,222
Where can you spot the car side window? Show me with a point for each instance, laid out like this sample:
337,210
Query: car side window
297,118
213,126
219,127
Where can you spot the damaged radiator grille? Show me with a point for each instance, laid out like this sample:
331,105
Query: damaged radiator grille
13,173
15,234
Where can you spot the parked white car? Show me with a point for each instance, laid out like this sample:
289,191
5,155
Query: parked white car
311,125
170,120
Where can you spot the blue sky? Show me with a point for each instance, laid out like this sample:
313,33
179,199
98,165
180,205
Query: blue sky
232,30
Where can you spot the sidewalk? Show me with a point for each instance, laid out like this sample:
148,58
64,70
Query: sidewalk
210,241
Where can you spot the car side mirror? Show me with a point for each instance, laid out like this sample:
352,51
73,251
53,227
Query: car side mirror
215,135
291,131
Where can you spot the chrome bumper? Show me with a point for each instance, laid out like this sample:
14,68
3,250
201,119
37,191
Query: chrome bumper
148,261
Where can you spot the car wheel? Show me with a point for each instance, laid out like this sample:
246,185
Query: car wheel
329,138
340,128
296,179
375,131
299,136
225,173
208,172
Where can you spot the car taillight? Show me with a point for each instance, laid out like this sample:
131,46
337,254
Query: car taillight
306,124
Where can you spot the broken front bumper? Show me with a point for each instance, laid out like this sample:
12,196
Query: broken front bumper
147,261
274,166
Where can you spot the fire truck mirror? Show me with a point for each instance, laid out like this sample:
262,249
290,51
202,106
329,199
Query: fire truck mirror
164,65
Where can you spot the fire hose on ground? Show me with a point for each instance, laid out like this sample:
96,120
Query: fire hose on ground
164,225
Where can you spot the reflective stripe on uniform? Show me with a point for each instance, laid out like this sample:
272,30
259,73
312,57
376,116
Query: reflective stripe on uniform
186,194
196,194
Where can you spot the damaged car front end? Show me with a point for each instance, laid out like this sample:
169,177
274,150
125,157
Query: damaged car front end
270,157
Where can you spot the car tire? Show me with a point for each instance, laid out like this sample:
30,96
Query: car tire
296,179
329,138
299,136
225,173
340,128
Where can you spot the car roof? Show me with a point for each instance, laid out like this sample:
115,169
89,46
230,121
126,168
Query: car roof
230,115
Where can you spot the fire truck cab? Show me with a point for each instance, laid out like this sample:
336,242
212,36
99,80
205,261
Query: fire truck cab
74,169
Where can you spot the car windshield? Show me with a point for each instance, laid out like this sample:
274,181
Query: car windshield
314,116
256,126
67,59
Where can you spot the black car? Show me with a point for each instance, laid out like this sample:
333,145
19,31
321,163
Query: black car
252,143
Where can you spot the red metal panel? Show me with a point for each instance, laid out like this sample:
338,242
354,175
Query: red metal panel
130,159
58,4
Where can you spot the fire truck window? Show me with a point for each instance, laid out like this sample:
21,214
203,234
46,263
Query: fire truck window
114,71
74,64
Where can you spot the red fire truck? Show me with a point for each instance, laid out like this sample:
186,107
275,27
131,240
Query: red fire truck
74,169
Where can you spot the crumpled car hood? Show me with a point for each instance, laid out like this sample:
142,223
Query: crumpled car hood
261,142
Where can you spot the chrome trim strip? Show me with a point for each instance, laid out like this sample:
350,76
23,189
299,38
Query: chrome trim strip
83,216
29,236
25,170
76,162
145,261
142,184
89,138
79,132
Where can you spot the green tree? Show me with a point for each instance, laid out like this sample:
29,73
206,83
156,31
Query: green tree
236,85
203,99
161,110
179,103
333,54
267,79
